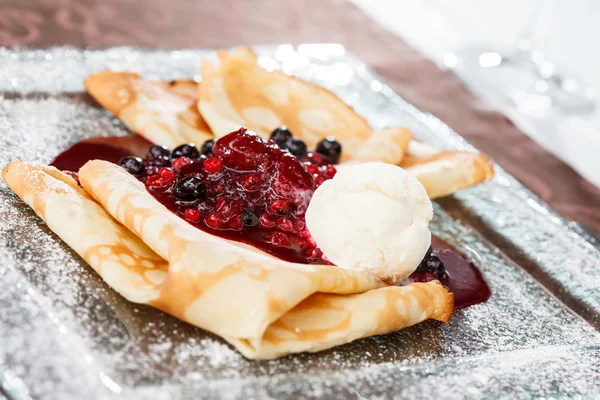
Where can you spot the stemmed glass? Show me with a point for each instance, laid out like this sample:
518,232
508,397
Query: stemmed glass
522,76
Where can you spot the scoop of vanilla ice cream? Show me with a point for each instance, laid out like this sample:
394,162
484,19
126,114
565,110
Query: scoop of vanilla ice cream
372,217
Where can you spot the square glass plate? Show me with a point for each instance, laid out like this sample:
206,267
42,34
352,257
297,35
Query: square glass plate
65,334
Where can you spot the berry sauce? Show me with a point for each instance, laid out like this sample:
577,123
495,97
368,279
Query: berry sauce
240,188
110,149
457,272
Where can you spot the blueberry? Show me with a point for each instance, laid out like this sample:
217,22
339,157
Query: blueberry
330,148
158,151
281,135
295,146
191,188
185,150
249,218
134,165
160,161
206,149
436,266
423,266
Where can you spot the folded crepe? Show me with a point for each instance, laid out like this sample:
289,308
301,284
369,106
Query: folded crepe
263,306
444,172
238,92
162,112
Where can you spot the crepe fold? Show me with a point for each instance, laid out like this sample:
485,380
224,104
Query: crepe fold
445,172
162,112
236,91
263,306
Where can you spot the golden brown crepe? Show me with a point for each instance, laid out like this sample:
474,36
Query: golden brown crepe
162,112
445,172
238,92
264,306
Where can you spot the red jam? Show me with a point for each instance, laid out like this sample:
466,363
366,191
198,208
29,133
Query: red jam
246,190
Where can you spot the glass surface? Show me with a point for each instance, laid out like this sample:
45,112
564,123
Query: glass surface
522,76
66,334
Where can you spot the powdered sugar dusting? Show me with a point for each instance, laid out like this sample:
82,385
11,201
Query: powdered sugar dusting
65,334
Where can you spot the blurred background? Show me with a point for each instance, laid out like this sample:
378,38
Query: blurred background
430,52
564,32
436,27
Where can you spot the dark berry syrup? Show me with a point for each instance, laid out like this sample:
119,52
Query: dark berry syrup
454,270
241,188
111,149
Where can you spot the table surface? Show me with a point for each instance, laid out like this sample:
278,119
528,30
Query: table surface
205,23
